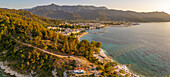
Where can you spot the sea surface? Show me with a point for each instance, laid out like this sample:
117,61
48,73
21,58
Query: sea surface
146,47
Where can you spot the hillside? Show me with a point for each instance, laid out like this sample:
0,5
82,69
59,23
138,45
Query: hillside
27,28
27,45
96,13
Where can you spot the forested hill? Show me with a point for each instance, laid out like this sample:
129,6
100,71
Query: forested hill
97,13
33,17
23,36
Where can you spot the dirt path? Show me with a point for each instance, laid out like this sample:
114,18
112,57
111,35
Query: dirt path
79,60
29,45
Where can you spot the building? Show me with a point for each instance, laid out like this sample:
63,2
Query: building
78,70
76,31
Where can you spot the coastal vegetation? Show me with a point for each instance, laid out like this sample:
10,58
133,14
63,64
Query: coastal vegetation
46,41
25,41
26,59
19,26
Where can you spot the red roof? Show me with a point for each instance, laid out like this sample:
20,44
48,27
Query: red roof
79,68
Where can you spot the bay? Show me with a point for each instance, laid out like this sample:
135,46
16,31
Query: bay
145,47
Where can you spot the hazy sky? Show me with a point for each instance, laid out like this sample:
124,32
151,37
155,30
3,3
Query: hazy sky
134,5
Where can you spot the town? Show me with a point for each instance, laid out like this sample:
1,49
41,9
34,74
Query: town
79,29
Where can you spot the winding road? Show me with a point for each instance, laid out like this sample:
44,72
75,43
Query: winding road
29,45
61,56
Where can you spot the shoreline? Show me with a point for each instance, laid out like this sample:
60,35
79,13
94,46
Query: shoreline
102,55
79,36
120,66
5,69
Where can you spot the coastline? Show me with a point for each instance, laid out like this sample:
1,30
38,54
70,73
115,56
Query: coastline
4,68
120,66
102,55
79,36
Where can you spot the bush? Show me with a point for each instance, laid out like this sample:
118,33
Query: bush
127,75
100,67
98,44
122,71
97,50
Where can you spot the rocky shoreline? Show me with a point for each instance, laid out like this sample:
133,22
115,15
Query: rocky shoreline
11,72
120,67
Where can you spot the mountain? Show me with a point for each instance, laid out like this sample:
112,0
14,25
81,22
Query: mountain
96,13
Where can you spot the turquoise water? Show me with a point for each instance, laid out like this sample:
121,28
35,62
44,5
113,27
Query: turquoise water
2,74
145,47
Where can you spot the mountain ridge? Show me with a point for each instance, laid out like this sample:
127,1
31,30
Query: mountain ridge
96,13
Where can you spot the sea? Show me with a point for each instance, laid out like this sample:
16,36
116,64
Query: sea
145,47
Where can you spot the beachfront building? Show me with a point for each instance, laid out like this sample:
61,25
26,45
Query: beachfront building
76,31
55,28
66,31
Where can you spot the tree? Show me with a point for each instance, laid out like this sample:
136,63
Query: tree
90,52
93,43
104,74
122,71
67,47
28,28
98,44
115,73
37,40
45,47
100,67
86,53
127,75
46,57
55,45
72,34
97,50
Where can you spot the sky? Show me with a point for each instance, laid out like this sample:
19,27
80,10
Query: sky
133,5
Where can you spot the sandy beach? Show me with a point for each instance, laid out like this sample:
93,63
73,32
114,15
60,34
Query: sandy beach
79,36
